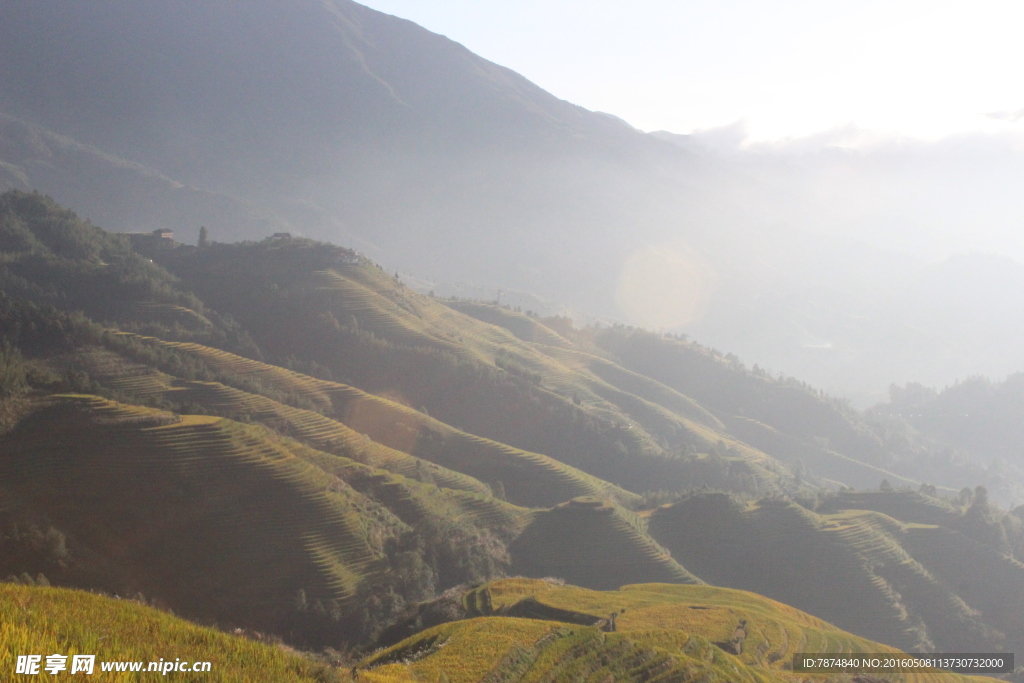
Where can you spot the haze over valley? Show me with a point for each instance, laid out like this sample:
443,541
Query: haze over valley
844,258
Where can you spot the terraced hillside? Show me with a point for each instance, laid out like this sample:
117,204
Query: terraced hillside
513,650
290,439
349,320
774,631
526,478
788,419
144,382
70,622
227,521
970,514
908,506
820,460
538,631
861,570
207,515
593,543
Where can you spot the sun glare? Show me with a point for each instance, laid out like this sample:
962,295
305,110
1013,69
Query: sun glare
791,68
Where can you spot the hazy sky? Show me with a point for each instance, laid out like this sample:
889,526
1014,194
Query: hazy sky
786,67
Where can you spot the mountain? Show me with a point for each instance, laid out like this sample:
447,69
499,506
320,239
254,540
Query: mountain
113,191
979,418
827,259
347,123
282,437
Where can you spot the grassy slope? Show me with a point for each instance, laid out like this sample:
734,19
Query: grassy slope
56,620
595,544
536,631
862,570
51,256
788,419
524,327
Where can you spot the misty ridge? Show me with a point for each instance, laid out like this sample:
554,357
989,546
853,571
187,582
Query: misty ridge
881,259
847,260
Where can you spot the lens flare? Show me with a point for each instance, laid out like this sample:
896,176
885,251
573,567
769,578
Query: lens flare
665,286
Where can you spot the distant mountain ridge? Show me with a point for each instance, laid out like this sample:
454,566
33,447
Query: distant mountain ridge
114,192
276,101
345,123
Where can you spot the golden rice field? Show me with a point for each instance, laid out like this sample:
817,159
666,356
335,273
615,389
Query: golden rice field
49,621
532,651
665,616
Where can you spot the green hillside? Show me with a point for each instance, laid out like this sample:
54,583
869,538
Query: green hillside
593,543
52,257
896,582
282,436
789,420
228,522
